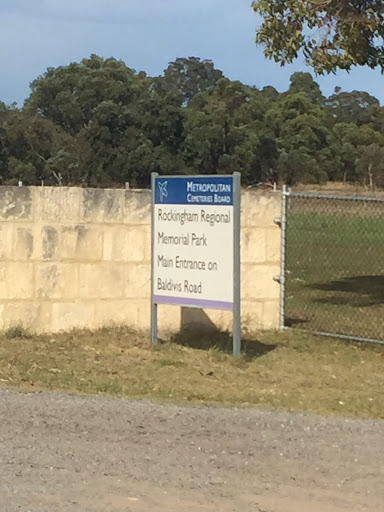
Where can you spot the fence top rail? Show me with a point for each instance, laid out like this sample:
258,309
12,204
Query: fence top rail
342,197
359,339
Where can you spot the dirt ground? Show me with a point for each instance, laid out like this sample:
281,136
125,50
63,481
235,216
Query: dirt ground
69,453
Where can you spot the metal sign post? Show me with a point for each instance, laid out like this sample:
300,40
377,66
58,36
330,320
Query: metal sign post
153,303
196,245
237,264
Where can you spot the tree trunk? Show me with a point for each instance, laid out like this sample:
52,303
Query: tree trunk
371,180
58,178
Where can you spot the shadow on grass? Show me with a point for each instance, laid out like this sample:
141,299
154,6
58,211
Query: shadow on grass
223,341
199,332
356,291
292,322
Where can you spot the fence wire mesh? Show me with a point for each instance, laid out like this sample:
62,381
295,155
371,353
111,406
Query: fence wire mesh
334,264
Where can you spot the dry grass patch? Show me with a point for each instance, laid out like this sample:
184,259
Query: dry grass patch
289,369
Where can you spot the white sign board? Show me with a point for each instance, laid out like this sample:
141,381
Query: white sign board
195,258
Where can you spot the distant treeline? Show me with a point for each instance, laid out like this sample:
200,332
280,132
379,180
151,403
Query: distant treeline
100,123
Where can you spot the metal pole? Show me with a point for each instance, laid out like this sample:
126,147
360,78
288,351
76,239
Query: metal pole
284,204
347,337
154,339
236,264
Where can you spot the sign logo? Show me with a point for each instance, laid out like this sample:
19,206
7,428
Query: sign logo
163,190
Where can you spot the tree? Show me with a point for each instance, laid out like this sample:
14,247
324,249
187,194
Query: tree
100,123
267,156
351,107
300,130
347,143
36,146
345,146
161,115
68,95
333,34
3,144
111,114
270,92
303,82
221,132
190,76
371,166
297,166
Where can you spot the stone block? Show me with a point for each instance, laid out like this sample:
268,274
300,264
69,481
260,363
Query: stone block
3,281
257,282
271,315
137,207
57,204
175,319
169,319
72,315
102,206
56,281
113,312
102,281
138,281
144,313
2,307
206,320
199,319
253,245
251,316
17,280
260,208
81,243
221,320
49,243
15,203
6,240
147,243
273,236
124,243
34,316
34,241
24,243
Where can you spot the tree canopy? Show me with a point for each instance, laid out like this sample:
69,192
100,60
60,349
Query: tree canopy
189,76
333,34
100,123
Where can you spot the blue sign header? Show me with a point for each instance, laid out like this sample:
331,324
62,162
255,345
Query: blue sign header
194,190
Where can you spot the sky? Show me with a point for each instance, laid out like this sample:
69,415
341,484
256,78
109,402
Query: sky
146,35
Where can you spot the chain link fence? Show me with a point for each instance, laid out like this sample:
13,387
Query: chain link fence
333,264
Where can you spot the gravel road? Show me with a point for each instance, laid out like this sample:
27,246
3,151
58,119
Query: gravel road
61,453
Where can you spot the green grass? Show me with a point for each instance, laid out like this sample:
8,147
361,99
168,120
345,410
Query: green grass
290,369
335,279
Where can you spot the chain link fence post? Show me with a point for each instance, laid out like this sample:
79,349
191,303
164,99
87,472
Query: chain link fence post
284,204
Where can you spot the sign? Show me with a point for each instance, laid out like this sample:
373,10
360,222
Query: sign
196,242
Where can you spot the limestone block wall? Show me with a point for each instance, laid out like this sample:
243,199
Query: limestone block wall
80,258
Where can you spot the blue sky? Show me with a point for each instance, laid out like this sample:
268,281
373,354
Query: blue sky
146,34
